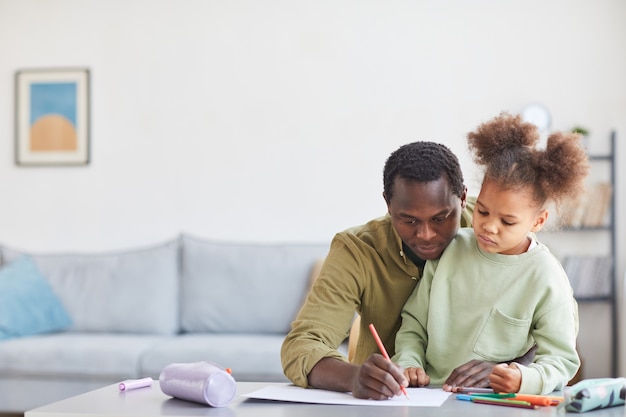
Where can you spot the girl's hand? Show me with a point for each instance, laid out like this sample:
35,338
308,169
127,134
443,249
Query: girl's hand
505,378
417,377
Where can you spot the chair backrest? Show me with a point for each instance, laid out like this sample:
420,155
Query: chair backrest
353,337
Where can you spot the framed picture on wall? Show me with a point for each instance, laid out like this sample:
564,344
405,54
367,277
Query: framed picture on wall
52,117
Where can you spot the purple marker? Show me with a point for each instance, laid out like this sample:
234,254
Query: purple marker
469,390
135,383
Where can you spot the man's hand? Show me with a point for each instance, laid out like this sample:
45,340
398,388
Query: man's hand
378,378
417,377
505,378
474,373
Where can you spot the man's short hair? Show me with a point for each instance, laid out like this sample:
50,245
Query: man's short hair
423,162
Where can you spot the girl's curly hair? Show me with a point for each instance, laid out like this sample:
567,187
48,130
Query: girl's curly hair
507,149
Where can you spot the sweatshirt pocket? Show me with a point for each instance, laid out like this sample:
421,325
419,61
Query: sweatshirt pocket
503,338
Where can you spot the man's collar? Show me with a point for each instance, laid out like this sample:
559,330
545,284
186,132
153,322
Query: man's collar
404,249
412,256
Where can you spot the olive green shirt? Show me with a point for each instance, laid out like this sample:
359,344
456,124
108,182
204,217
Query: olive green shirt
367,272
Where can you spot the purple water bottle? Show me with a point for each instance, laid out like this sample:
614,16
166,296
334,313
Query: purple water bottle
201,382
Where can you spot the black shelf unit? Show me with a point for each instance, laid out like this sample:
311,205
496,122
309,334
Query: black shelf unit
611,297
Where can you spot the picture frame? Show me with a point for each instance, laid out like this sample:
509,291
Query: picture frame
52,117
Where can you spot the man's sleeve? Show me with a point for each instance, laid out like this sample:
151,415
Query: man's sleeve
324,320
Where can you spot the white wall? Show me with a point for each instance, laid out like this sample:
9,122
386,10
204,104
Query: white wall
271,120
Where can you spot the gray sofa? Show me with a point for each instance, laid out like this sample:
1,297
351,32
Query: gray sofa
135,311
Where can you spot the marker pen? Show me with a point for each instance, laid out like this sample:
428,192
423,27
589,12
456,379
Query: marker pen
468,390
135,383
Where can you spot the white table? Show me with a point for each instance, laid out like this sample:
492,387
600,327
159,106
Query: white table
109,402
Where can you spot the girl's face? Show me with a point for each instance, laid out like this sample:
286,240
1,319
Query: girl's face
503,218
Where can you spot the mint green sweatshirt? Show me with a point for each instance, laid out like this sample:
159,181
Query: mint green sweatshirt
475,305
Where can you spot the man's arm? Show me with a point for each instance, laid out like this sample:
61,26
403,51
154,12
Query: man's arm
324,320
309,353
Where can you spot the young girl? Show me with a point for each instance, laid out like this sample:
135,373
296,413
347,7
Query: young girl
496,291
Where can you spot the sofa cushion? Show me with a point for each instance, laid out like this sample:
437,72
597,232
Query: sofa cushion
251,357
28,304
243,288
132,291
76,355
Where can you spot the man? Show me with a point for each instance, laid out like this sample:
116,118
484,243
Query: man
372,270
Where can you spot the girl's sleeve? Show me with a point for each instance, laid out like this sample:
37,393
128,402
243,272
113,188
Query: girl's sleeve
555,331
412,338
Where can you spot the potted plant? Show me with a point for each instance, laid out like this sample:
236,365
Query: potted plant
584,134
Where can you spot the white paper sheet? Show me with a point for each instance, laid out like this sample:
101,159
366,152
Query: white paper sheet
418,397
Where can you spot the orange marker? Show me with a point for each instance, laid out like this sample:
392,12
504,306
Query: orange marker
383,351
539,399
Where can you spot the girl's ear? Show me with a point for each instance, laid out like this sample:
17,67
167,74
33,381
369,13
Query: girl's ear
540,221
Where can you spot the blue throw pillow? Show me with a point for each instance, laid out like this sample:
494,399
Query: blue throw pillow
27,303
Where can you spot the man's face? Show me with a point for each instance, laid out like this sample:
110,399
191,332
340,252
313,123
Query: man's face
426,215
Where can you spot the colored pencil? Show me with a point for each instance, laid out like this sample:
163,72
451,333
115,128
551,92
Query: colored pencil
504,402
383,351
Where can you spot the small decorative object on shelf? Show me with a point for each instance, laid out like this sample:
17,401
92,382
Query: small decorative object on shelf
584,132
581,130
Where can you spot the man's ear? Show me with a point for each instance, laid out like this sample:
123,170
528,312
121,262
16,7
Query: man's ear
540,221
464,198
386,200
